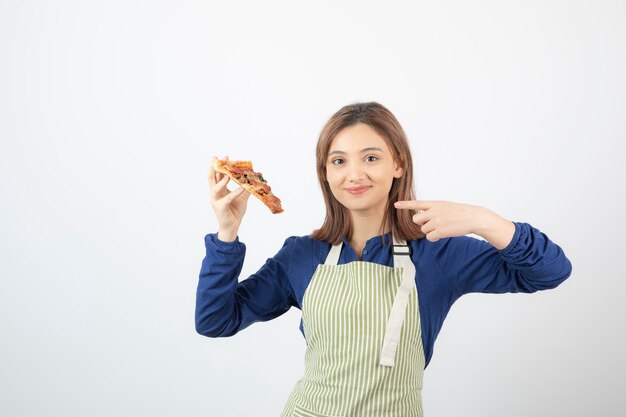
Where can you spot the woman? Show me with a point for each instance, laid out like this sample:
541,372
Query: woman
376,281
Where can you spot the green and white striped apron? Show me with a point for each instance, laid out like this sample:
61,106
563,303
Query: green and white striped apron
364,353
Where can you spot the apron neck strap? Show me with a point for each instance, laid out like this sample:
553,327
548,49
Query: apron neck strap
401,252
333,255
401,259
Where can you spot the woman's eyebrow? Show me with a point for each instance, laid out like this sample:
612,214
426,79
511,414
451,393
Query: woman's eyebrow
362,151
370,150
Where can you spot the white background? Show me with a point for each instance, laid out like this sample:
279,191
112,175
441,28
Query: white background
110,112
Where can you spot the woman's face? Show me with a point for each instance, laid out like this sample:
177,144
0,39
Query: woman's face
360,169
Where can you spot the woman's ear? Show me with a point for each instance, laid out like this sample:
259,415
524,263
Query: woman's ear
398,170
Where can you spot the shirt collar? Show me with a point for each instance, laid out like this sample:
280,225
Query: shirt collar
376,240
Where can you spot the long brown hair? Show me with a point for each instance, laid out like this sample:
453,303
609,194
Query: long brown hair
338,223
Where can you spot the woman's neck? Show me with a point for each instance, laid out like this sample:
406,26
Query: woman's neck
365,227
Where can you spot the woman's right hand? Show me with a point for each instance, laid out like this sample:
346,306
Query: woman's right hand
229,206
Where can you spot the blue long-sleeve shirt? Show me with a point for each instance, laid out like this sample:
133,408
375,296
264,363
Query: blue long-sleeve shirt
445,270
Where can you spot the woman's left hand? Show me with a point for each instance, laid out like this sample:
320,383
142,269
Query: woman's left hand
441,219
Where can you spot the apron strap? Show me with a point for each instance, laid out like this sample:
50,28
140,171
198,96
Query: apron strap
333,255
402,259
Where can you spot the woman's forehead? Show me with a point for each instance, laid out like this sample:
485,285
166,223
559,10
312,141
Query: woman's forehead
358,138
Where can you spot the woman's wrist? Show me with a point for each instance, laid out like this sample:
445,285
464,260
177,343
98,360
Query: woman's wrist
227,235
495,229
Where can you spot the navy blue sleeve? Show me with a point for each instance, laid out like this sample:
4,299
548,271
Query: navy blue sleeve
225,306
531,262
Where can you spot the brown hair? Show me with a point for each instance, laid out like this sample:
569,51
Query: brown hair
337,223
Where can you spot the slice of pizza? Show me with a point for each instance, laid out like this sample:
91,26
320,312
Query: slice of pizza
243,174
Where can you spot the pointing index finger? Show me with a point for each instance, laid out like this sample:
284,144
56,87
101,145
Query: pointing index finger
413,205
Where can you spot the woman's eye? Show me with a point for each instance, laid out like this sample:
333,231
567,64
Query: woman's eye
337,161
371,158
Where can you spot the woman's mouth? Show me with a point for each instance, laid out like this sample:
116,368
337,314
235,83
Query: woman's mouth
358,190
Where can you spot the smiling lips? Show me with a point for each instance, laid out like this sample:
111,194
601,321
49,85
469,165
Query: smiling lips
358,190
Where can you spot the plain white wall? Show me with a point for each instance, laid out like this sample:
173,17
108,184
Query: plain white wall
110,113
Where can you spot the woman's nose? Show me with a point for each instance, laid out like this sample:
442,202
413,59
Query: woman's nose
355,172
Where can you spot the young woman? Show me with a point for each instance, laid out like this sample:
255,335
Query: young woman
376,281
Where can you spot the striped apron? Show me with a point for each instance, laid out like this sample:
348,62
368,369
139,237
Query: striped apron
364,354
